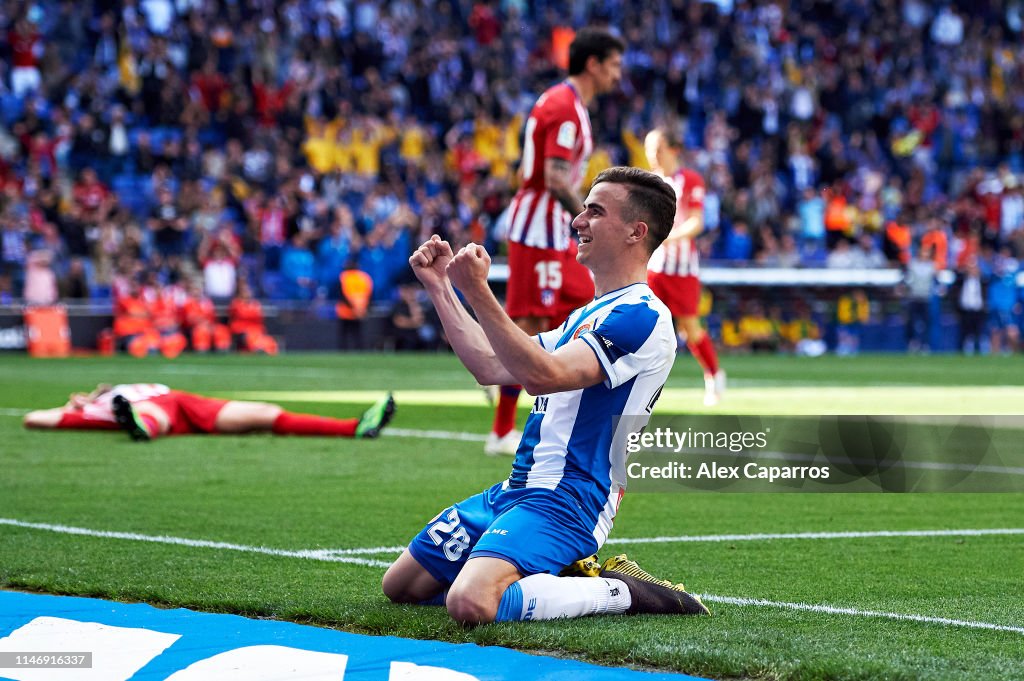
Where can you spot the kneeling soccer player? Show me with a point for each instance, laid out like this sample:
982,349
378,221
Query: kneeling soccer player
495,556
150,410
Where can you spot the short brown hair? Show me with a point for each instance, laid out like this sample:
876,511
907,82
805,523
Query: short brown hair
650,200
592,42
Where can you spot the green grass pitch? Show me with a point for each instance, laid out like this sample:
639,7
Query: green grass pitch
310,494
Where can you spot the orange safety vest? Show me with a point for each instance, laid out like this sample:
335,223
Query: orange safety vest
939,243
900,236
356,288
837,219
561,38
131,316
245,315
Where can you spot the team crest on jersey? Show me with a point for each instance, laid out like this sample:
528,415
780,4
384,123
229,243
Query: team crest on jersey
582,330
547,297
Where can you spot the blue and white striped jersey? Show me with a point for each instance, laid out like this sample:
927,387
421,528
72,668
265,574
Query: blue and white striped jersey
569,442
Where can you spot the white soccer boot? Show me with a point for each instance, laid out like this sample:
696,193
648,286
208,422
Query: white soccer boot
505,445
714,388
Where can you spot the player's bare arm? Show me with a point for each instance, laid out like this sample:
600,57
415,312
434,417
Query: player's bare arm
571,367
558,178
43,418
429,262
688,225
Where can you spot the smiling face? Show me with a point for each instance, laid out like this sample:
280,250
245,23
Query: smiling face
602,230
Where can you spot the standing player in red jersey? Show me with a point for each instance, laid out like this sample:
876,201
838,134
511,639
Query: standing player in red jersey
545,282
674,268
151,410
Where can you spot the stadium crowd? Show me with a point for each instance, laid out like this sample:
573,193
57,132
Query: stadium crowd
277,143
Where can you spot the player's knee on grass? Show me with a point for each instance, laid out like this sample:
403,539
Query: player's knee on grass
407,582
395,589
470,608
475,596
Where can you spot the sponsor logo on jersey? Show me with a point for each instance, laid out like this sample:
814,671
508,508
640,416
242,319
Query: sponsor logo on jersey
566,135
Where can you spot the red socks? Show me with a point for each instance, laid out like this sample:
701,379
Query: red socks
704,351
288,423
505,414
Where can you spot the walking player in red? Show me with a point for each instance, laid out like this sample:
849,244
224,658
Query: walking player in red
545,282
150,410
674,268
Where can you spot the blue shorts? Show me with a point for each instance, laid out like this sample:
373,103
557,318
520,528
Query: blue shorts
1001,319
537,530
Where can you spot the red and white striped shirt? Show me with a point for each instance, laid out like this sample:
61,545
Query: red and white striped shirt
679,257
558,127
103,410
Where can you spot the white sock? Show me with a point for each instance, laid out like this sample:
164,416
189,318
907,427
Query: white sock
547,597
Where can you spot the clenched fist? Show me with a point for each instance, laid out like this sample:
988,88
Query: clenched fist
430,261
468,270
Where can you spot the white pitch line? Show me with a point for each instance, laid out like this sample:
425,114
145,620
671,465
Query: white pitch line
434,434
706,538
332,556
832,610
814,535
13,412
367,551
313,554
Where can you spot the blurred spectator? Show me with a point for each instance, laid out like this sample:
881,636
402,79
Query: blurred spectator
74,284
25,45
853,311
167,225
803,334
199,321
969,296
758,332
919,283
219,254
732,339
162,305
245,320
133,328
355,291
842,257
811,210
298,268
335,249
92,198
868,255
739,246
40,279
412,327
1004,305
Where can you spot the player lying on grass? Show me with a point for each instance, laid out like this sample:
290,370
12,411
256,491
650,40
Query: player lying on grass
150,410
495,556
